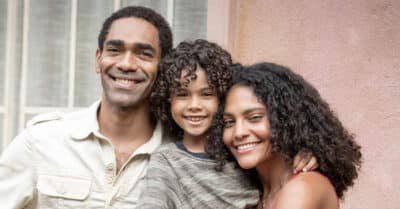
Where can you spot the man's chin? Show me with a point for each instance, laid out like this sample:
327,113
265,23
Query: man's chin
125,102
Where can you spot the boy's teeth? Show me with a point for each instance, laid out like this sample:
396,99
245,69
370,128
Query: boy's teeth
195,118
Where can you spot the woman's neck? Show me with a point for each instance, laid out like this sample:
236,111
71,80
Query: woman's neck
273,173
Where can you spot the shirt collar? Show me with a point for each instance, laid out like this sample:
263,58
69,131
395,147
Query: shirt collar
154,142
87,122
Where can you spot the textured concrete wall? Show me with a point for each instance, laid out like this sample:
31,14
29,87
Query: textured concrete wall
350,50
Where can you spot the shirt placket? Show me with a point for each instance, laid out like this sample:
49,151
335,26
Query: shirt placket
110,178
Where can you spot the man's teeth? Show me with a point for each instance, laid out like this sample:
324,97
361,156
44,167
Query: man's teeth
124,81
246,146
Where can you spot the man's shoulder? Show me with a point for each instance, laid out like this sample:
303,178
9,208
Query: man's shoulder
56,123
45,118
56,117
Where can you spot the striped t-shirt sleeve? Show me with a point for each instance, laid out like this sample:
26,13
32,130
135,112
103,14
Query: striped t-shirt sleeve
161,185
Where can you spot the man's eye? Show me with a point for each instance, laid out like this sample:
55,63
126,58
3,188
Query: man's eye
112,49
146,54
181,94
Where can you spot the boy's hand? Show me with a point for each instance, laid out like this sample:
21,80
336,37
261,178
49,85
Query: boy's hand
304,161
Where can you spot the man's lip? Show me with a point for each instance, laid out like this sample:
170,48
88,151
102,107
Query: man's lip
134,79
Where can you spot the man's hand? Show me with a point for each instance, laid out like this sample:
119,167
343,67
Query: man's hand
304,161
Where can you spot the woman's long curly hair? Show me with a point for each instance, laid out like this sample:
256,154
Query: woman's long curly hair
300,120
187,56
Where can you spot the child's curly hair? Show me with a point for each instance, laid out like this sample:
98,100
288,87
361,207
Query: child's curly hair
214,60
300,120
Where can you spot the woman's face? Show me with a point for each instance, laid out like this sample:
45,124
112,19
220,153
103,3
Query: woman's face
247,129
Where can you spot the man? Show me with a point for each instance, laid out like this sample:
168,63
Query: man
97,157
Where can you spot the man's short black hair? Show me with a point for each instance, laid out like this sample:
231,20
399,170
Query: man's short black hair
147,14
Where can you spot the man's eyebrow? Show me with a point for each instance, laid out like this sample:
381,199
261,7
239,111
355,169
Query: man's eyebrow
114,42
144,46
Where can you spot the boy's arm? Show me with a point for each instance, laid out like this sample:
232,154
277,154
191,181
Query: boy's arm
161,185
17,181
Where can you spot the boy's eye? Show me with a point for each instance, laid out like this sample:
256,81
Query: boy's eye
181,94
208,93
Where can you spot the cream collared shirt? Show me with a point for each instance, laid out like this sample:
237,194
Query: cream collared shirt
62,161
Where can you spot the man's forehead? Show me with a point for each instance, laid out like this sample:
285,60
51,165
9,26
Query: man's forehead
132,30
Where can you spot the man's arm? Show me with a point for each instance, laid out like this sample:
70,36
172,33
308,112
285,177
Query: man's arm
304,161
17,173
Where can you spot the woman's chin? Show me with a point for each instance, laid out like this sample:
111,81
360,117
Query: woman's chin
246,165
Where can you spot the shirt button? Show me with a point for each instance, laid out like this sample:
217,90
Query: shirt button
110,167
110,179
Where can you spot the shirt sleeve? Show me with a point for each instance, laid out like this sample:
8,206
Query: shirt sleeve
161,188
17,173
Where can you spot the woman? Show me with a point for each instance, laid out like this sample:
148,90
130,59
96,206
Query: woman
271,114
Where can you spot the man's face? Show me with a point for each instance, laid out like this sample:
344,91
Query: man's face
128,63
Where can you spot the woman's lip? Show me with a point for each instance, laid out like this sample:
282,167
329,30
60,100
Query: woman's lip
246,147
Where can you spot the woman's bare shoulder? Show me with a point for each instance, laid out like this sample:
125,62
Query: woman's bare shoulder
307,190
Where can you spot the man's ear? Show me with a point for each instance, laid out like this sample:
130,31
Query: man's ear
97,61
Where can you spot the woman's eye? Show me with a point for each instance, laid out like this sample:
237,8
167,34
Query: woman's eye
228,123
255,118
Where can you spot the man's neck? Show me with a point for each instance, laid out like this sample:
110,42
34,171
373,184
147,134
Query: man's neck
126,128
125,125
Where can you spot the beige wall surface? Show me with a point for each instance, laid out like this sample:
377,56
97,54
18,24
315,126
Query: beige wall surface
350,50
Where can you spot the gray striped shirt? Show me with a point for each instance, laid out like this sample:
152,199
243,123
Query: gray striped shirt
177,178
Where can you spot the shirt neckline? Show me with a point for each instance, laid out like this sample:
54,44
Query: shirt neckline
201,155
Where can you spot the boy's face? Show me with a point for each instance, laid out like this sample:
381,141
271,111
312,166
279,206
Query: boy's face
193,106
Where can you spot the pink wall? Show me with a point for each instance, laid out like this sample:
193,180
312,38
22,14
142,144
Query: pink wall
350,50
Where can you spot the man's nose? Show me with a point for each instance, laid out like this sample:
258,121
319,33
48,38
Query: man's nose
128,62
